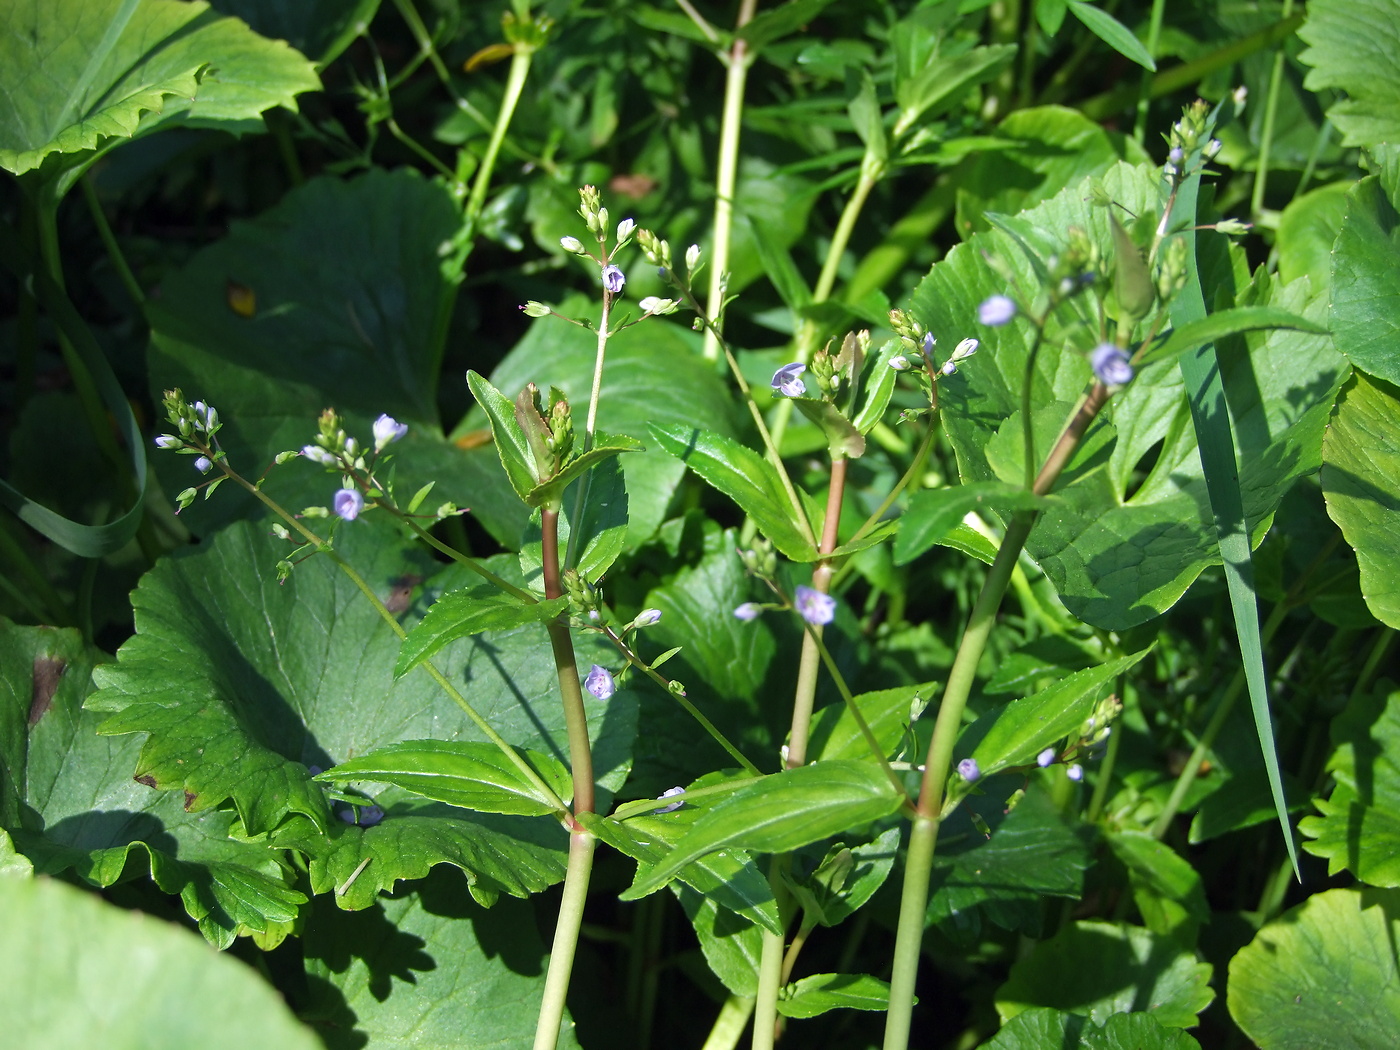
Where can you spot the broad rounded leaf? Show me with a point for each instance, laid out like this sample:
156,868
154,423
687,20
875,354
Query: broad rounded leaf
1042,1027
1366,281
1361,483
1353,49
80,74
76,972
430,968
782,812
1103,968
1323,976
242,684
1359,828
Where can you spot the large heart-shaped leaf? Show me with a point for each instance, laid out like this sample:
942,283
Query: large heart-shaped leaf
1323,975
79,76
427,968
69,798
1361,482
1366,281
243,683
74,969
347,292
1120,552
1351,49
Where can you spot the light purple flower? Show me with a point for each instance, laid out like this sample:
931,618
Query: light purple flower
785,380
348,503
167,441
203,465
815,607
1175,155
317,454
613,279
599,682
747,611
1075,772
624,229
969,770
1110,365
647,617
387,429
1045,757
668,793
929,343
996,311
899,363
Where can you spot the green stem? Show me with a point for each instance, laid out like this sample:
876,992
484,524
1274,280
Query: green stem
924,836
729,1026
1154,33
464,560
515,83
575,548
916,467
770,962
109,241
1110,759
674,689
1266,134
566,665
737,63
566,930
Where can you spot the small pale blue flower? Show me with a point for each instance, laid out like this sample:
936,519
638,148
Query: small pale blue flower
668,793
647,617
599,681
348,503
1045,757
387,429
786,381
996,311
929,343
747,611
969,770
815,607
1110,365
613,279
1075,772
167,441
203,465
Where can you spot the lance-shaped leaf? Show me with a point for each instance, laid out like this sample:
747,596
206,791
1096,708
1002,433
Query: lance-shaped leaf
1225,323
1023,728
781,813
746,478
517,457
471,774
472,610
731,879
843,440
821,992
80,75
933,513
605,446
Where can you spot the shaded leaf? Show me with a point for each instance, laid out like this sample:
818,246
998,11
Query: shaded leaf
470,611
1351,50
1100,969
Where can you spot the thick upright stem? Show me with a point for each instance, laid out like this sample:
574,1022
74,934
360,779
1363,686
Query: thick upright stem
566,930
575,720
726,174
